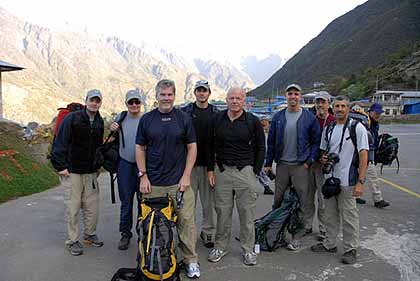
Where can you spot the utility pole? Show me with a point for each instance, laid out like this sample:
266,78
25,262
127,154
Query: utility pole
377,82
417,85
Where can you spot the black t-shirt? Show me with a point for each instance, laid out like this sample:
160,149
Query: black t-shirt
165,136
201,119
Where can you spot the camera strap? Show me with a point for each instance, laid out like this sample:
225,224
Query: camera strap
331,130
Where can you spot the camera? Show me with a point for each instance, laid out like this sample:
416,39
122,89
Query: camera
333,159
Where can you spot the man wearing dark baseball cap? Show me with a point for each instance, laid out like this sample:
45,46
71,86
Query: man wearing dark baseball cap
202,113
374,112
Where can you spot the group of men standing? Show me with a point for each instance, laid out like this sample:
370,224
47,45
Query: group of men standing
215,155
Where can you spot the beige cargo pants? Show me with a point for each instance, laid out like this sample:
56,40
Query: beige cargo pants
232,184
186,220
81,193
342,206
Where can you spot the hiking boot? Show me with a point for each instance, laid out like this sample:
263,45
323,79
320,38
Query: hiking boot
360,201
322,235
349,257
207,240
381,204
293,245
76,248
124,242
216,255
250,258
193,270
267,190
320,248
93,240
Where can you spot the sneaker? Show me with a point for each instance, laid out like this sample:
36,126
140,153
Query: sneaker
76,248
250,258
320,248
267,190
293,245
193,270
360,201
349,257
93,240
124,242
216,255
381,204
322,235
207,240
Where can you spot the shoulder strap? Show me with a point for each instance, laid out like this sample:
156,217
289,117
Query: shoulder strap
123,115
250,124
352,130
328,133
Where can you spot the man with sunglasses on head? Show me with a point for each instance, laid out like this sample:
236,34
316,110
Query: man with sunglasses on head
126,123
202,113
73,156
166,150
293,143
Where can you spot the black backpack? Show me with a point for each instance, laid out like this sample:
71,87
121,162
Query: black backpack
387,151
107,155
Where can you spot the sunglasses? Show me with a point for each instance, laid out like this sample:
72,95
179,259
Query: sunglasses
133,101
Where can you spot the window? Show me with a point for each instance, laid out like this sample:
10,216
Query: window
387,111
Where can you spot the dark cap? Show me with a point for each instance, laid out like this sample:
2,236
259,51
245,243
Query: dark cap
202,84
376,107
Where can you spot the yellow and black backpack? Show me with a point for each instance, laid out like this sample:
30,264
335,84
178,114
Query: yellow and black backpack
156,259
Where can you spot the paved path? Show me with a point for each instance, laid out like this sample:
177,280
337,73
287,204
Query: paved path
32,234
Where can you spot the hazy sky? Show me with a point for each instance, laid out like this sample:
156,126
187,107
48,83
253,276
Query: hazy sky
222,29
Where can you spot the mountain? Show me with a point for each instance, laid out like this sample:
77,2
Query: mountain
60,67
361,38
261,70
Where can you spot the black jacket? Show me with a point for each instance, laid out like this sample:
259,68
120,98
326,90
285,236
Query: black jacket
75,145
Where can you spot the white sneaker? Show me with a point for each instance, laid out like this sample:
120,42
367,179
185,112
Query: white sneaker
216,255
193,270
293,245
250,258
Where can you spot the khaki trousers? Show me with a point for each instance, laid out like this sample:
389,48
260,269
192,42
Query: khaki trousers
373,183
240,185
186,220
316,180
81,193
342,206
200,185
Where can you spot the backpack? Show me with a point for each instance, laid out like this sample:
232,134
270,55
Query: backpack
387,151
108,155
156,259
269,229
63,112
362,117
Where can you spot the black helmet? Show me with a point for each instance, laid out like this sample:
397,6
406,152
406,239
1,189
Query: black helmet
331,187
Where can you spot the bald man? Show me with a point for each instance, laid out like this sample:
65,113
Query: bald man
238,142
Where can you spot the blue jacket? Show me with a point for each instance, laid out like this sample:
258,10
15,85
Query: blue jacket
308,140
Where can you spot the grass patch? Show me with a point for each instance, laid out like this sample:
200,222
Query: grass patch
21,174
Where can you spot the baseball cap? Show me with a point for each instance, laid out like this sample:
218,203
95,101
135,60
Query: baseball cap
202,83
323,96
94,93
295,86
133,94
376,107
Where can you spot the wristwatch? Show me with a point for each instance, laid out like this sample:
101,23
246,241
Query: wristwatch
362,181
141,173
